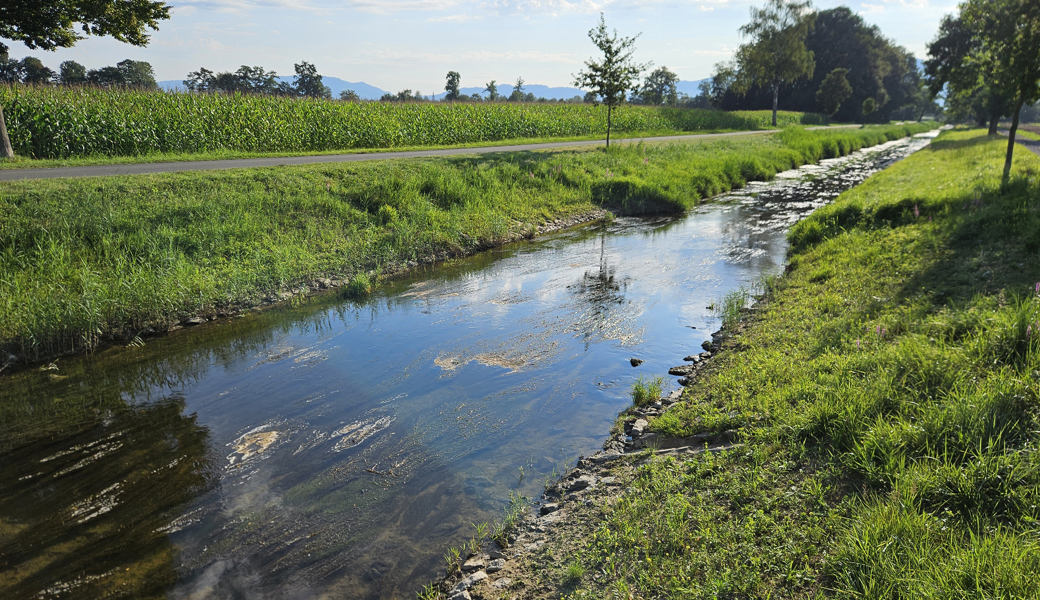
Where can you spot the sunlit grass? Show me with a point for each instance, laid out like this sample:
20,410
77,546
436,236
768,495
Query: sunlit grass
82,260
888,393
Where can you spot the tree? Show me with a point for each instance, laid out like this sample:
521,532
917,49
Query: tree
71,72
34,71
1009,33
777,54
954,64
492,91
659,87
518,91
307,82
834,90
10,69
137,74
452,86
721,81
349,96
613,77
49,24
105,77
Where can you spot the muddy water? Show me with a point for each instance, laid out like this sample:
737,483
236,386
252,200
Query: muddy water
336,449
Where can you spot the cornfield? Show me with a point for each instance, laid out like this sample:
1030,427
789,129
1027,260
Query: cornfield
59,122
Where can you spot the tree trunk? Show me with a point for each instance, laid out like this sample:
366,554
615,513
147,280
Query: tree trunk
1011,141
5,142
776,94
994,119
610,109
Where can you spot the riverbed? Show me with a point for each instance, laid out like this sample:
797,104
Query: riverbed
337,448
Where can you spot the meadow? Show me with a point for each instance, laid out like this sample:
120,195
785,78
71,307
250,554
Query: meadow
64,122
85,260
886,389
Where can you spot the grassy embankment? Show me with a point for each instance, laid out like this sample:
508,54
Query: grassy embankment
52,126
887,394
83,260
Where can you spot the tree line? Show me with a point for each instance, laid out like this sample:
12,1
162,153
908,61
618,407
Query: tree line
31,70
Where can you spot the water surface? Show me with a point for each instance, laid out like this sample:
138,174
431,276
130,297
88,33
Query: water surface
337,448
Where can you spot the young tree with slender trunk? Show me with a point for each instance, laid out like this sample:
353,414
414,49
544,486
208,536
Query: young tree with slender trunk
776,54
50,24
1009,41
617,74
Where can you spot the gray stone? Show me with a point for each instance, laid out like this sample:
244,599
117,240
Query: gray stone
496,565
581,483
638,427
683,370
194,321
501,584
475,563
460,595
549,508
284,295
496,553
469,582
608,480
706,345
693,358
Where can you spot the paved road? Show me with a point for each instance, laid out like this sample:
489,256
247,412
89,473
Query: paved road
244,163
241,163
1030,144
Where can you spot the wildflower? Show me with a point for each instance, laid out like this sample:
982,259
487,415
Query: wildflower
857,344
1029,331
917,213
1038,288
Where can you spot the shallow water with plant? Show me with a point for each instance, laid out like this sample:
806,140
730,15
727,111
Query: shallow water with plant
337,448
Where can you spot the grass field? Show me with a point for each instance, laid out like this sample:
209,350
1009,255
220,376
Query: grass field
887,393
82,260
62,122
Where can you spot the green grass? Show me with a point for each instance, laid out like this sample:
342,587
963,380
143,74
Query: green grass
84,260
647,391
61,122
887,392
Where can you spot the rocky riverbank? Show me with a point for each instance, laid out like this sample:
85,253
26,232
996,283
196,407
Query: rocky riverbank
527,564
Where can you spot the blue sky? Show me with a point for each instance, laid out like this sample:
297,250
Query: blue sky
398,44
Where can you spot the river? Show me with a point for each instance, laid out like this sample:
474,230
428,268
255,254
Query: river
337,448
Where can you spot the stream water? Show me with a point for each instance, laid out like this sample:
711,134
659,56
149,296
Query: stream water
338,448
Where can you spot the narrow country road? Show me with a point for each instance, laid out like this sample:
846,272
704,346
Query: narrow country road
242,163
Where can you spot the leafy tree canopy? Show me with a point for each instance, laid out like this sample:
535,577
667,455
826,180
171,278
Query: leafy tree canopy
776,54
659,87
452,80
50,24
834,90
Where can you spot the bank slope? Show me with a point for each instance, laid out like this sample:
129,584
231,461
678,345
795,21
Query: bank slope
886,394
87,260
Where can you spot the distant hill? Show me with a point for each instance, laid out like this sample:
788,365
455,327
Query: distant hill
337,85
371,92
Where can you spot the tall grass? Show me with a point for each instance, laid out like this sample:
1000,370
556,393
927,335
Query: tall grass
62,122
897,364
85,259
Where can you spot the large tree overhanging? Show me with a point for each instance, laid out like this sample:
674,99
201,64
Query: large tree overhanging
50,24
776,54
616,75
